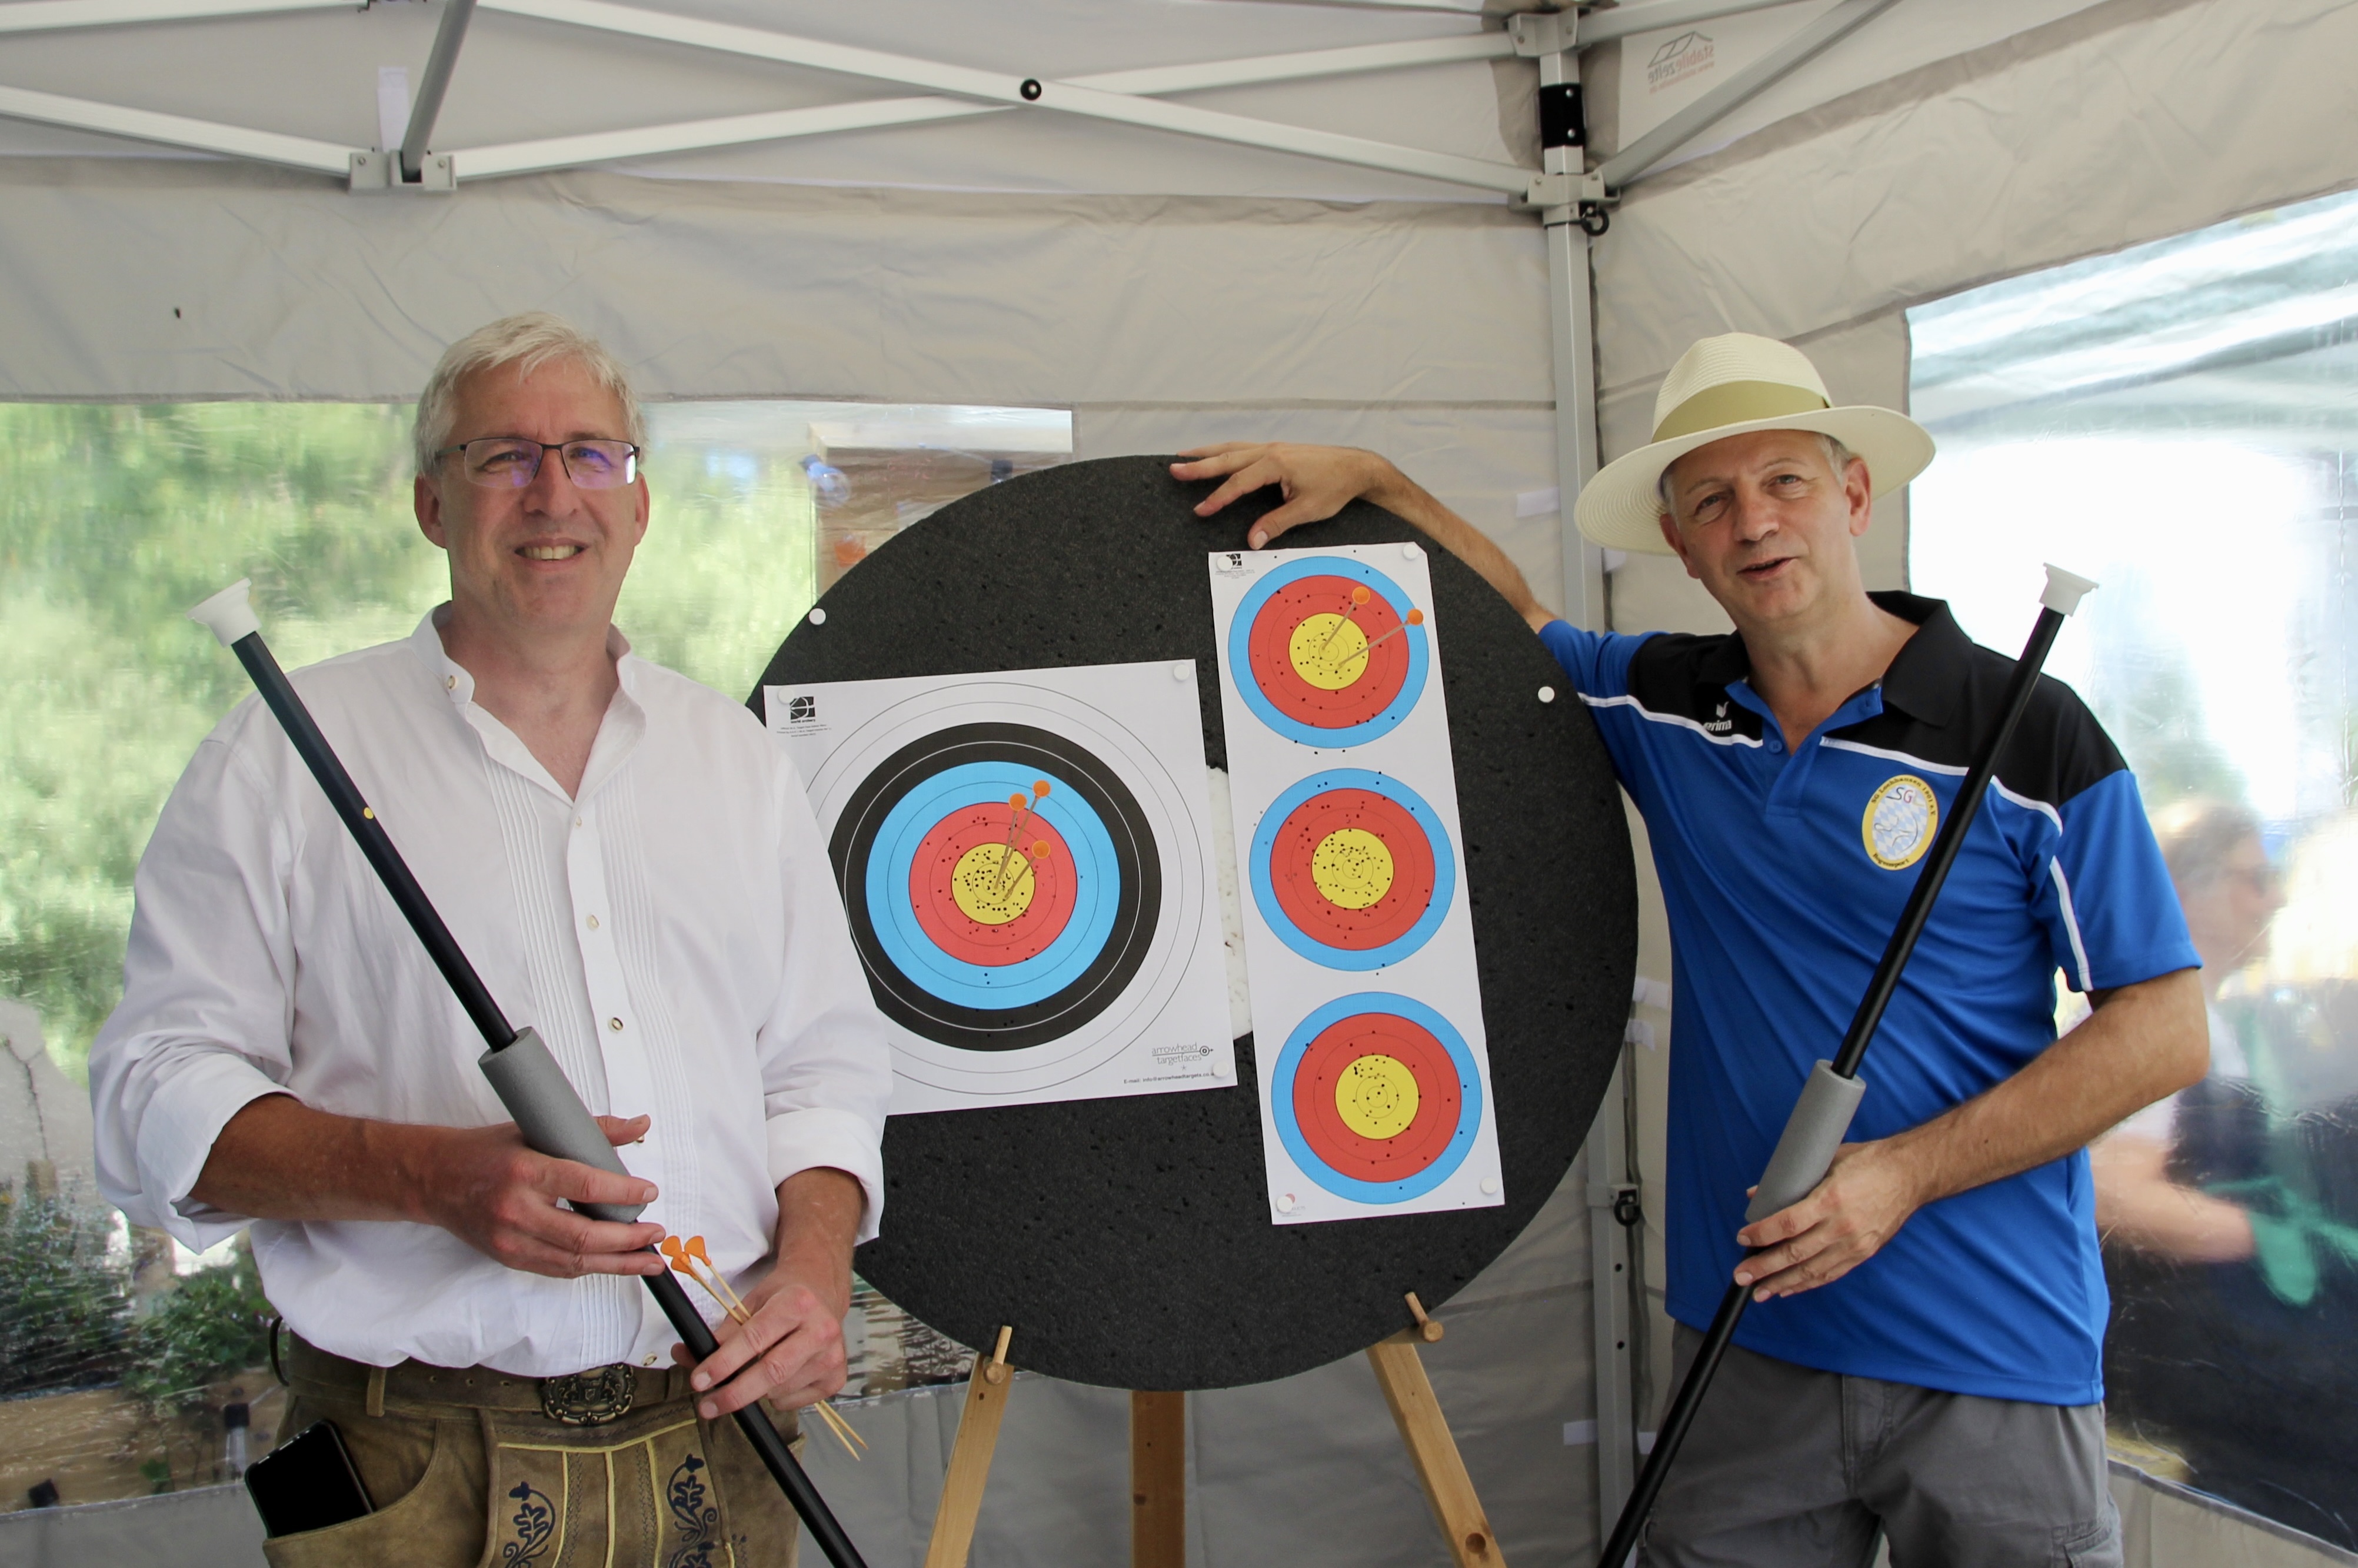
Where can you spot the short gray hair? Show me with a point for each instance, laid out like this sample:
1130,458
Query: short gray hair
1836,453
527,342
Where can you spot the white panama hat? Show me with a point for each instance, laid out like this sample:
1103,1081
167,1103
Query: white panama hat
1730,385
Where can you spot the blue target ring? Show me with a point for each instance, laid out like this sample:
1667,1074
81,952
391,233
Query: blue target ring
1241,665
1288,1127
1097,876
1264,843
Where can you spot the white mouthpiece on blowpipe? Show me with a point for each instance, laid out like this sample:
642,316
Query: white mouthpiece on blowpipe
2065,589
229,617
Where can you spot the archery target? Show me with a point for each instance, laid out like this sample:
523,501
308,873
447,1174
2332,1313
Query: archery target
1352,869
1376,1097
1326,651
1026,884
987,925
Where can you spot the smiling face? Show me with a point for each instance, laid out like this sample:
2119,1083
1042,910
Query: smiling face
545,562
1766,524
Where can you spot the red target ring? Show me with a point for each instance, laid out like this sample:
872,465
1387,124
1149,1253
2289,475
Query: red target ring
1320,852
1352,1041
1375,679
934,878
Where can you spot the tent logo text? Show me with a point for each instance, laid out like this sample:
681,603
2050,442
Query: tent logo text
1688,55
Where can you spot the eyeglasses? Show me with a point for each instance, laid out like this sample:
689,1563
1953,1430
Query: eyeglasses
511,463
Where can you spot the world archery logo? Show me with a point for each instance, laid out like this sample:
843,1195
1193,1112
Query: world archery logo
801,709
1899,820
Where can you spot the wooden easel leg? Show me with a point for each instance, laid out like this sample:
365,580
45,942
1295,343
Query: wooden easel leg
1158,1480
1399,1372
978,1437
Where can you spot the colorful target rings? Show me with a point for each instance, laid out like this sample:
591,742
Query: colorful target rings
1376,1097
988,926
1352,869
1319,664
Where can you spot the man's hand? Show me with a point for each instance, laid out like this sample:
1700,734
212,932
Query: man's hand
2143,1043
1868,1194
1316,482
280,1159
486,1188
1319,481
791,1353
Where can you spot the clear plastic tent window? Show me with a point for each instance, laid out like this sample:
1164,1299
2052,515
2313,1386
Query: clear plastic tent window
128,1367
2177,420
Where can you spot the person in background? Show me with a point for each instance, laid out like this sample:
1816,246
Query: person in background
2229,1218
2229,893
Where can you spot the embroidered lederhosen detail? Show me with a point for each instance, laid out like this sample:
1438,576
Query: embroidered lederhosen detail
630,1492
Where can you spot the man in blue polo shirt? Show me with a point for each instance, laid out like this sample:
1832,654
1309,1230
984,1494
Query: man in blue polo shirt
1927,1359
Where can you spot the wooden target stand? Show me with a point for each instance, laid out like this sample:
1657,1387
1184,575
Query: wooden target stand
1158,1457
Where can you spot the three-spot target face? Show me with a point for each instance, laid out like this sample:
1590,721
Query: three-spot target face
1003,882
1352,869
1334,653
1376,1097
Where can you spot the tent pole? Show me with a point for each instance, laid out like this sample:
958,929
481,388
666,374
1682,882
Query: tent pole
1629,164
1572,334
438,66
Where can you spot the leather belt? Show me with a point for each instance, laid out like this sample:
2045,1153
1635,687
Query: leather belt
588,1397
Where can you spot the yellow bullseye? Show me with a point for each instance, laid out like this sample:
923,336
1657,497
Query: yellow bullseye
1376,1097
1352,867
983,894
1326,651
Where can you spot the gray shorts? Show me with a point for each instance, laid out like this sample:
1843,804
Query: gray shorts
1789,1466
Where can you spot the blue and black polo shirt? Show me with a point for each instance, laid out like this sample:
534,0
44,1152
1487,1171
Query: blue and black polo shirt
1784,874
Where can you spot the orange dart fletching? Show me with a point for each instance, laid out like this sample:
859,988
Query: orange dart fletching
696,1249
670,1248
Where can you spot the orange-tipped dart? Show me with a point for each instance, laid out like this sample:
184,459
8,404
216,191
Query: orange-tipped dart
696,1250
1415,618
1359,596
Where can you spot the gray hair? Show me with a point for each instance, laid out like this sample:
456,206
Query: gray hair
2197,834
1836,453
527,342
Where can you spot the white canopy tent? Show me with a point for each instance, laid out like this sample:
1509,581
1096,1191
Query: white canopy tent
1185,221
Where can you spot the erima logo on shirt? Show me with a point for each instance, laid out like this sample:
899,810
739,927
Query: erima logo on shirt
1900,816
1719,723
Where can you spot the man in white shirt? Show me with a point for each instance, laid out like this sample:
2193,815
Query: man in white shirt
634,868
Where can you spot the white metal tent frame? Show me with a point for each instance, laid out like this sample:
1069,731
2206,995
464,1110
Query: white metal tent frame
1570,200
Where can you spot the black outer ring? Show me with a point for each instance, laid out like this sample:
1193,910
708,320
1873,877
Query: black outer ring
1136,909
1127,1241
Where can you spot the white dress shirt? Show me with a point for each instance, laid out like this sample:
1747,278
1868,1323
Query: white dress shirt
672,930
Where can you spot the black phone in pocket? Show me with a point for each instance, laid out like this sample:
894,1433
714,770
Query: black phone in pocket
306,1483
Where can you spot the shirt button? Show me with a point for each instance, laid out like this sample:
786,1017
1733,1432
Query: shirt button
593,923
1775,744
614,1023
577,822
449,683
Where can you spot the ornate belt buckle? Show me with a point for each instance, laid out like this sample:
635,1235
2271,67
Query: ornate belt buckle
589,1399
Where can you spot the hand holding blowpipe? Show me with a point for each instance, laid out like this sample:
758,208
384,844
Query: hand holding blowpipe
1813,1132
530,1084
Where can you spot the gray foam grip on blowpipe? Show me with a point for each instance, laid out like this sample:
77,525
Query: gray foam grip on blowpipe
1807,1145
551,1116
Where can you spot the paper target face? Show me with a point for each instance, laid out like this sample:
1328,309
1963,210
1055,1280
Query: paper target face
992,913
1376,1097
1353,870
1329,652
1027,885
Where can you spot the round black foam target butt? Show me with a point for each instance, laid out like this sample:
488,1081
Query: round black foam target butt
1127,1240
